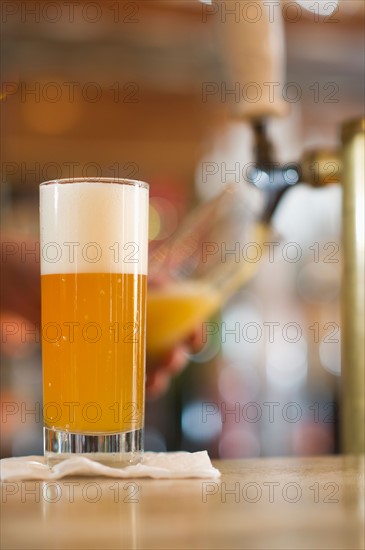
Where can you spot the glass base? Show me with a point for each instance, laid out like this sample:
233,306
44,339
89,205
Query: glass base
112,449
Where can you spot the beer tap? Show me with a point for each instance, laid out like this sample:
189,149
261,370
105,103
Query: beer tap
320,168
317,168
256,54
268,175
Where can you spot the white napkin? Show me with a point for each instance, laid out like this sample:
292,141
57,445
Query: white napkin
178,465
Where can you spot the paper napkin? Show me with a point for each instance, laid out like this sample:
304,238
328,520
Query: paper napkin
178,465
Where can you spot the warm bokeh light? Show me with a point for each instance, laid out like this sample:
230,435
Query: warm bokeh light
51,112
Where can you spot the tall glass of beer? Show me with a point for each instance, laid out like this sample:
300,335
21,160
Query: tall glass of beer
94,235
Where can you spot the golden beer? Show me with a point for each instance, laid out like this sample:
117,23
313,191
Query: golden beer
94,355
93,273
176,310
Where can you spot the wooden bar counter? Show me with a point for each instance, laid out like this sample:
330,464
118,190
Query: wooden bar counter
277,503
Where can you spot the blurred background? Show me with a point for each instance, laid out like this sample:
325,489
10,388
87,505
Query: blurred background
158,91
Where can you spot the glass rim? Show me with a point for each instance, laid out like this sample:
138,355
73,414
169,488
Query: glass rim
119,181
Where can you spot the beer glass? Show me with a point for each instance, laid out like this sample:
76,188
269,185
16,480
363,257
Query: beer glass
94,237
192,274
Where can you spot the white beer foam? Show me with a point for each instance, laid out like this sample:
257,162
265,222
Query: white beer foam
89,227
